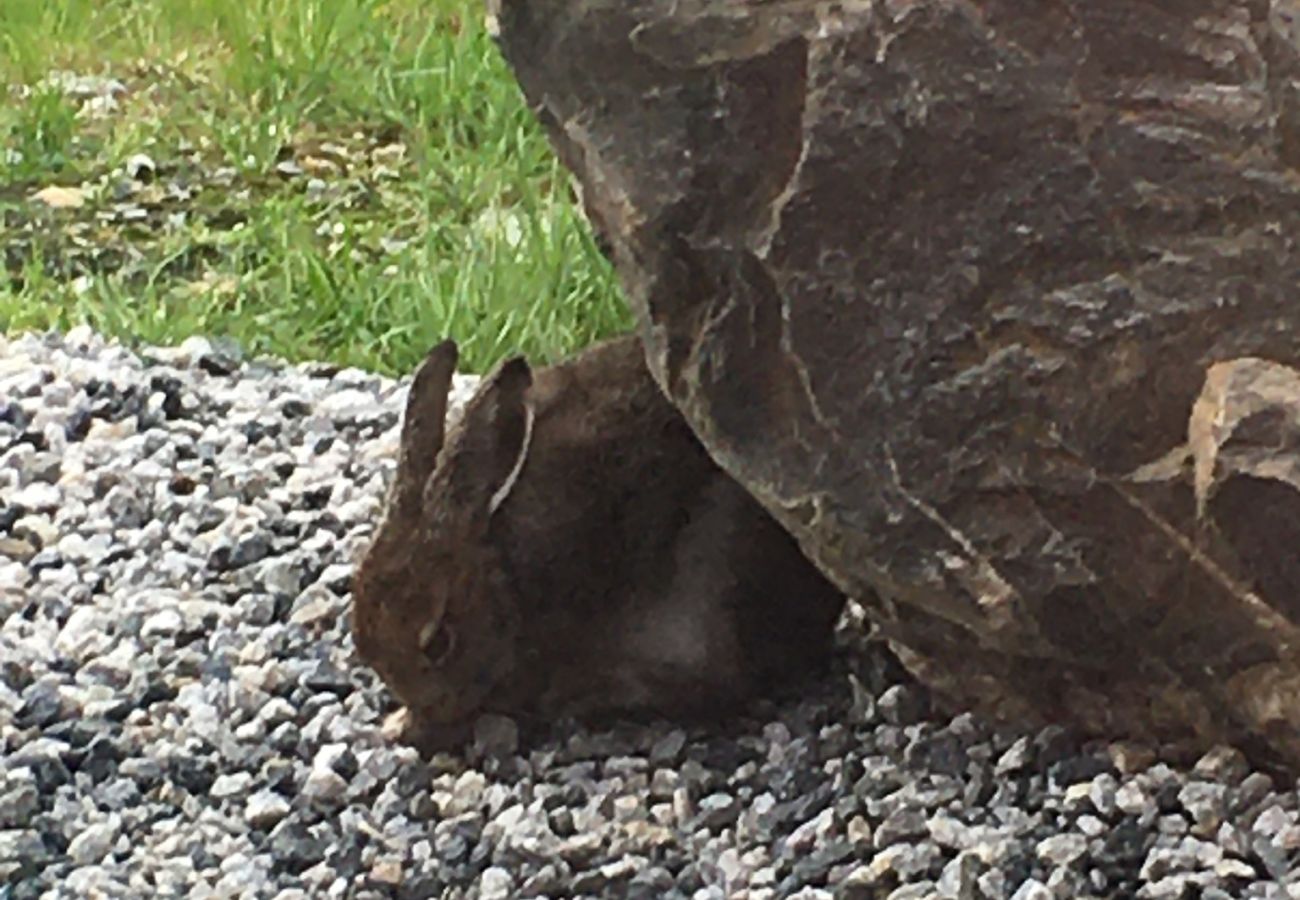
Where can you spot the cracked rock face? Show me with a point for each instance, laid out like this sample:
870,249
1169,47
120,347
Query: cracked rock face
996,308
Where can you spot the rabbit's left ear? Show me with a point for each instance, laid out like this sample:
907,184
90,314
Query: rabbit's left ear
423,425
491,446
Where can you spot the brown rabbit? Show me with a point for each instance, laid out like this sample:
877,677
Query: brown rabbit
572,550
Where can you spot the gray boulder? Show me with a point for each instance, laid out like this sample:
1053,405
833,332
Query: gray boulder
995,306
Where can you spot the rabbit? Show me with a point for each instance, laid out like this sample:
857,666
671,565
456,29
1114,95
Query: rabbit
571,550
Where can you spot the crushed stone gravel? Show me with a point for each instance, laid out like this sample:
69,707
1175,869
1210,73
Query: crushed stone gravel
181,714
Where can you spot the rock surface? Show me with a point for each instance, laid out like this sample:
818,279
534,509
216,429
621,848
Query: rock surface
994,307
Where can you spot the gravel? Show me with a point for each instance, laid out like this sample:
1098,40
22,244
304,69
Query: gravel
181,714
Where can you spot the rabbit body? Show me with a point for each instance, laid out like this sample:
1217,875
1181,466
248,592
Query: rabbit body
575,551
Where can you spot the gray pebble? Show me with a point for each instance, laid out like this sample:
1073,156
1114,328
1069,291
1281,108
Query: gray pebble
1062,849
960,878
1207,804
324,785
93,842
230,785
22,848
901,705
265,809
1132,800
993,885
901,825
1032,889
717,810
1016,758
496,883
668,748
1226,765
1103,794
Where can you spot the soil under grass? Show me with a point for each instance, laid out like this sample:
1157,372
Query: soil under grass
347,180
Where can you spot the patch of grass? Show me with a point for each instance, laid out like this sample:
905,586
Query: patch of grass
39,138
347,180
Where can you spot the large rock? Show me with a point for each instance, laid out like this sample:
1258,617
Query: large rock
995,305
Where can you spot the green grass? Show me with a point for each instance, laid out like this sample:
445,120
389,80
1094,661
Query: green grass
347,180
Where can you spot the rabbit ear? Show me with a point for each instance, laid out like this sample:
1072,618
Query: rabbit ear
501,493
423,424
493,440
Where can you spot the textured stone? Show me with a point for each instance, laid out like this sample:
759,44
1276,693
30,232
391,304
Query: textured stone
93,843
1062,849
265,809
992,306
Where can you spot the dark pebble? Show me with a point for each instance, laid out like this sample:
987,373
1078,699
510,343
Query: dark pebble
46,760
324,677
9,515
40,707
48,558
295,846
193,773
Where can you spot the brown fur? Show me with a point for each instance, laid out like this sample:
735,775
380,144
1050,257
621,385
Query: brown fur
622,572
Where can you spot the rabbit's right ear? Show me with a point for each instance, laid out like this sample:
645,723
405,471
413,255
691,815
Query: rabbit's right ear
493,440
423,426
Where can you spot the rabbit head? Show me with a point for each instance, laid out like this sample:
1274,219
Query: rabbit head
434,613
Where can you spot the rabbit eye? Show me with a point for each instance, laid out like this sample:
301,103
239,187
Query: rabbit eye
436,643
